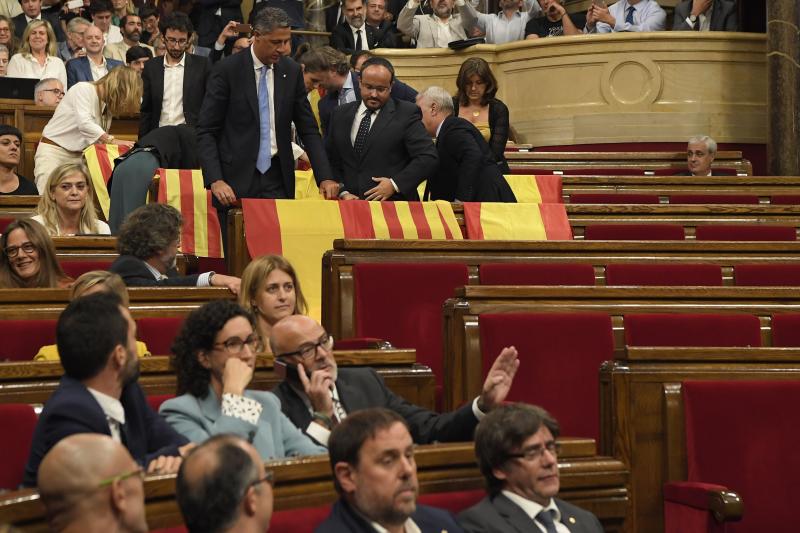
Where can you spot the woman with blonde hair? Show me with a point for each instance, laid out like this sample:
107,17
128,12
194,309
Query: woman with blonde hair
28,258
121,8
38,56
67,206
84,118
271,290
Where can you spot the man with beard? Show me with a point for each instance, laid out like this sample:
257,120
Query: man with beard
99,392
131,27
148,244
506,26
435,30
93,65
352,35
372,458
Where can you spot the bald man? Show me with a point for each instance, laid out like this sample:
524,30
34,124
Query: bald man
223,486
315,394
89,482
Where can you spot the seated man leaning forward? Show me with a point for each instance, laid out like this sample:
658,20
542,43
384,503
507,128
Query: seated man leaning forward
148,244
99,392
89,482
214,359
316,395
700,153
517,453
372,458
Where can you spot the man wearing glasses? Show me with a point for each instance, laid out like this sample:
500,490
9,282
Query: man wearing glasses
223,486
517,454
317,396
49,92
89,482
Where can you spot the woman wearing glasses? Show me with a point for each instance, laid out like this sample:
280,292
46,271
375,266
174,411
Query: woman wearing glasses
28,258
271,291
214,357
67,206
38,55
7,37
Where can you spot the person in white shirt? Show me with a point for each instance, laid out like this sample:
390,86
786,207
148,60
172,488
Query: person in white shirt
101,17
48,91
131,27
37,57
84,117
436,30
94,65
67,205
507,25
517,450
700,153
625,15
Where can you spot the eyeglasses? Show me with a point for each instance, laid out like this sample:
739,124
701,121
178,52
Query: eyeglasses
307,351
269,477
27,247
537,452
57,92
106,482
235,345
179,42
5,30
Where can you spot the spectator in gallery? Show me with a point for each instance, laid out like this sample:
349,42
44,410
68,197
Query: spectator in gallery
381,21
73,46
101,13
93,65
37,57
137,56
706,15
28,258
32,11
10,153
554,21
505,26
66,206
625,15
435,30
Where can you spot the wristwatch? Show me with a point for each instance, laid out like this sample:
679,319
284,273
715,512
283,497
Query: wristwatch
210,275
693,19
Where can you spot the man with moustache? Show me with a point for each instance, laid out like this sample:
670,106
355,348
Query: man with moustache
517,450
507,25
352,35
99,392
131,27
435,30
94,65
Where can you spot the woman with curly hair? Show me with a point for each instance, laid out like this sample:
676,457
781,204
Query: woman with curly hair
214,357
28,258
67,205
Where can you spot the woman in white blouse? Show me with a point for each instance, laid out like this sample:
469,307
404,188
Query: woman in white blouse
83,118
67,206
38,56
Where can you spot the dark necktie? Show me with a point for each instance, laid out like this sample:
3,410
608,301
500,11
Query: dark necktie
363,132
629,17
358,40
545,516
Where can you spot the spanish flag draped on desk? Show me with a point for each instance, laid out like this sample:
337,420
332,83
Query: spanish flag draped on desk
303,230
100,162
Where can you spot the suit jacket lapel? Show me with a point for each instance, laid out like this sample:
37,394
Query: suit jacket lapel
348,395
210,406
350,115
248,78
187,81
513,514
384,117
278,87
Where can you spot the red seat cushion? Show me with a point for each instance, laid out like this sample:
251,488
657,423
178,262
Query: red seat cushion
155,400
713,199
18,422
455,502
745,232
536,274
786,330
767,275
686,507
21,339
633,232
663,274
302,520
4,222
741,434
689,329
558,352
402,303
611,198
158,333
74,269
212,264
785,199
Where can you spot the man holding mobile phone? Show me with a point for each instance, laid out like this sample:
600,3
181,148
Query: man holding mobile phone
625,15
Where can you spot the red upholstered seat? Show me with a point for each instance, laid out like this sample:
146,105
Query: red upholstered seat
212,264
21,339
785,199
611,198
158,333
18,422
155,400
689,329
745,232
5,221
686,508
663,274
402,303
767,275
74,269
633,232
359,343
455,502
302,520
713,199
559,352
536,274
786,330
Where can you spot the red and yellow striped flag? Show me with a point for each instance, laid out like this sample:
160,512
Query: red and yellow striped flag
100,161
516,222
303,230
184,190
529,189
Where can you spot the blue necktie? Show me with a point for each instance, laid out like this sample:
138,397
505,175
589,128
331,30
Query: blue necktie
629,18
264,145
545,517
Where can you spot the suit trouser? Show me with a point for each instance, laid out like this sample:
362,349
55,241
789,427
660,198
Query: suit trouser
129,185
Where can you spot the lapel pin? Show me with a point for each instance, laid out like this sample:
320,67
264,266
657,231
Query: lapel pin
284,75
571,519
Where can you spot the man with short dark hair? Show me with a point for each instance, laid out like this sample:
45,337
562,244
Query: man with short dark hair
381,21
517,454
437,29
32,10
149,16
222,486
100,11
372,459
99,392
131,28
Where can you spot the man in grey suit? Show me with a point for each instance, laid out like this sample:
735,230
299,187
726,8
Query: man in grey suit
706,15
434,30
517,454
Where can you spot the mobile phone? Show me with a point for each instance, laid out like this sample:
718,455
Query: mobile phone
75,4
599,3
243,28
284,370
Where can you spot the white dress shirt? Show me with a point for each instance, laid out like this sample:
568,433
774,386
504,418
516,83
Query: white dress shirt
98,71
257,64
362,109
703,19
531,508
172,102
647,16
113,35
26,66
77,121
409,527
363,31
100,228
115,413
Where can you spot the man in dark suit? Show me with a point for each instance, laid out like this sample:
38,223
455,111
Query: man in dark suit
99,392
32,10
148,244
467,170
372,459
244,131
706,15
517,454
379,157
700,153
212,16
352,34
182,74
319,394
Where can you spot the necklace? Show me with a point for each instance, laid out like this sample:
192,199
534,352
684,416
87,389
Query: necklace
476,114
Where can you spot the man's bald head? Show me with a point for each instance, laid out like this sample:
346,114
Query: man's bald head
287,329
298,339
74,479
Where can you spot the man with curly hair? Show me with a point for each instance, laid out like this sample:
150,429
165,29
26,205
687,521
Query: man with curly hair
148,245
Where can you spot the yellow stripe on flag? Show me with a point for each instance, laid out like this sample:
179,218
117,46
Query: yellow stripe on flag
305,187
525,188
406,220
518,222
446,210
200,198
378,221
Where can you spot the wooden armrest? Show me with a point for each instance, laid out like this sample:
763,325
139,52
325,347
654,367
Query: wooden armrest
725,505
363,343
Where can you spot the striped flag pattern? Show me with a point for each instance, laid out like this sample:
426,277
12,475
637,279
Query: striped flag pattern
100,161
516,222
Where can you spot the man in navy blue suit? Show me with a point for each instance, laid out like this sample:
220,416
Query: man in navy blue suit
99,393
372,458
94,65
